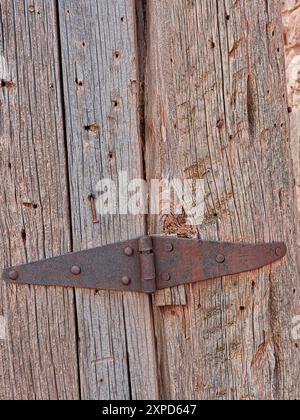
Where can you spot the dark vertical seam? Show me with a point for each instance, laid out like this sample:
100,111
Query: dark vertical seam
141,10
141,32
127,352
222,318
1,28
60,59
138,17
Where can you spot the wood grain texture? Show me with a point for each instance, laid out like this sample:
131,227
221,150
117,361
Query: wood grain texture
101,87
291,23
216,107
295,141
38,359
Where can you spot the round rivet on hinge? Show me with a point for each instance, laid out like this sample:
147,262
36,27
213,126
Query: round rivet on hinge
126,280
166,277
169,247
279,251
128,251
220,258
75,270
13,275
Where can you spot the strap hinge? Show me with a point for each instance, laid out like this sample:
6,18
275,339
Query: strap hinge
146,264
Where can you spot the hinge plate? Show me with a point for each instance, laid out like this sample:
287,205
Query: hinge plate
147,264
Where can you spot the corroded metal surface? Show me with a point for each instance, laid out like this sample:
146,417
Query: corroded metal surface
146,264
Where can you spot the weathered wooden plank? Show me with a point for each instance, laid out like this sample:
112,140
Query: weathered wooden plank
216,107
101,86
291,22
38,358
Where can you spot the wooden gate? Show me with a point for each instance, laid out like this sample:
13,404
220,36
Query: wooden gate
173,88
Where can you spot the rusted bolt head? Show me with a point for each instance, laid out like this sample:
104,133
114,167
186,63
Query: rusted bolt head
166,277
75,270
126,280
13,275
169,247
128,251
220,258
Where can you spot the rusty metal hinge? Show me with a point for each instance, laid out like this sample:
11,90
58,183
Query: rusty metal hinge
146,264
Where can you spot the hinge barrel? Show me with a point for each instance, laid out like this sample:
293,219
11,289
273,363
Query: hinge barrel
147,261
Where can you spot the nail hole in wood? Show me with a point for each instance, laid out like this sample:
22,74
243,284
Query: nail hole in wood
220,123
78,82
30,205
93,128
8,84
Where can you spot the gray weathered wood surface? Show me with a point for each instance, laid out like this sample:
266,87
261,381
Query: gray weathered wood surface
100,63
71,113
39,357
216,107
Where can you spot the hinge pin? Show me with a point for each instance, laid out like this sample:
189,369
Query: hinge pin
147,264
